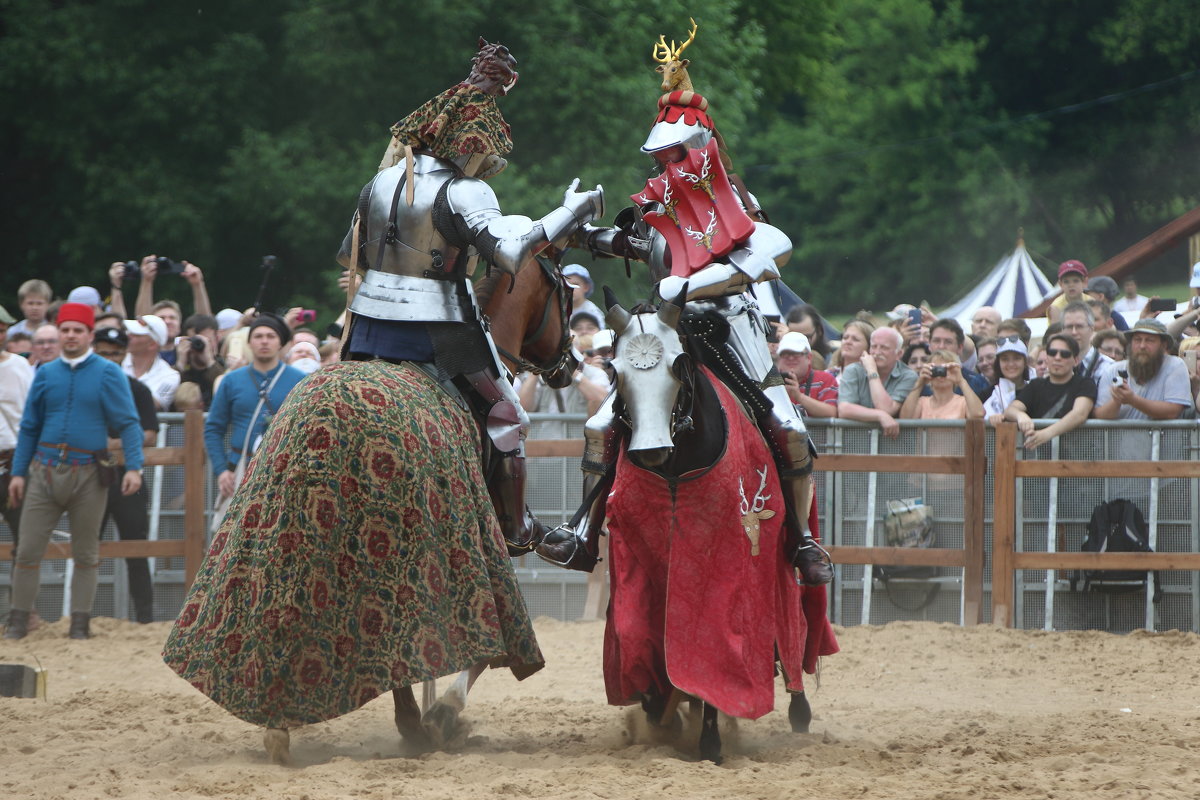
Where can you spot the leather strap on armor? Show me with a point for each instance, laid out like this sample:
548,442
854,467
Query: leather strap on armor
706,336
389,236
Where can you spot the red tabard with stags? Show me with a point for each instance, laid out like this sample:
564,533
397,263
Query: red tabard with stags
703,219
701,601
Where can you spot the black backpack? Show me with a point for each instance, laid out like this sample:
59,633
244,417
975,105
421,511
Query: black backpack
1116,527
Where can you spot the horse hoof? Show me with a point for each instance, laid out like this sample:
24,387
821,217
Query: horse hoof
710,736
277,743
416,738
799,713
443,725
710,747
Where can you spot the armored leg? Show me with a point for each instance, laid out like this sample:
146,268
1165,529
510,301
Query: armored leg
576,545
507,424
785,432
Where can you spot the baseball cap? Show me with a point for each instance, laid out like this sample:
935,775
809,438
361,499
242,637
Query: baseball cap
6,317
1011,344
115,336
1107,286
578,271
580,315
793,342
227,318
84,294
899,312
1195,281
149,325
602,339
1068,267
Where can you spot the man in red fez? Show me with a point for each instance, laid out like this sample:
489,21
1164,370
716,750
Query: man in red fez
73,403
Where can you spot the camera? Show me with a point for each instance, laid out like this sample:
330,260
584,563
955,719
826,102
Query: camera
938,371
197,343
1120,377
306,315
166,266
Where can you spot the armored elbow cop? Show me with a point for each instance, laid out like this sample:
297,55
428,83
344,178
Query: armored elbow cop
754,260
509,241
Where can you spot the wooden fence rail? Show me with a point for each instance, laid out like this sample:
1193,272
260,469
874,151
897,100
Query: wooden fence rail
972,465
191,547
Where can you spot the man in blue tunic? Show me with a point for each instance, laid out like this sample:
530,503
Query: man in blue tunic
244,403
62,452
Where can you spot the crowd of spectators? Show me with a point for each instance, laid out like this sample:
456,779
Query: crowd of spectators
1104,354
82,376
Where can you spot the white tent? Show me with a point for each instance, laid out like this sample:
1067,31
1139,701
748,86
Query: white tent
1014,286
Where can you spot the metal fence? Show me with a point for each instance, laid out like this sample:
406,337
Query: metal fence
1051,516
554,493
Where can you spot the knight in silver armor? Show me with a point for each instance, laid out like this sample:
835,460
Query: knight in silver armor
722,287
421,226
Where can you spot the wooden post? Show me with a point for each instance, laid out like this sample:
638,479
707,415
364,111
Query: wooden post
1004,524
195,535
974,449
1130,259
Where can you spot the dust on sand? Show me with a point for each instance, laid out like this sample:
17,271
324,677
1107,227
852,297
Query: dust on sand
909,710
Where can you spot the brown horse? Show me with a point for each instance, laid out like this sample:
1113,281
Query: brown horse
361,553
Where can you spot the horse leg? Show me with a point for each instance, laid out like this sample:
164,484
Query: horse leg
710,735
408,720
662,711
277,742
441,722
799,713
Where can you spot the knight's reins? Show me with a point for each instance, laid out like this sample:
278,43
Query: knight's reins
564,301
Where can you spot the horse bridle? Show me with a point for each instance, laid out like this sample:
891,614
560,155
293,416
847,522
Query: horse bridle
564,300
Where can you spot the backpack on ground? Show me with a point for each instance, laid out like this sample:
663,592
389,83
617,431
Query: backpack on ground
1116,527
907,523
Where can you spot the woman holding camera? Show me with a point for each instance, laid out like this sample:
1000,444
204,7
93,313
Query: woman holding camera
942,374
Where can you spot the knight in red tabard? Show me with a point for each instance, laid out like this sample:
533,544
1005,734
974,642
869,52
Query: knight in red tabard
695,225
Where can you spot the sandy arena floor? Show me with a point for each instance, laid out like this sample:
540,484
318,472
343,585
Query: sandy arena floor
910,710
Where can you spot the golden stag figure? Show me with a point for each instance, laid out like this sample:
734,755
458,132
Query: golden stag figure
671,65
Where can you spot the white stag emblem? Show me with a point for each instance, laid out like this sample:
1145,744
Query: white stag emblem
705,238
669,202
754,512
702,182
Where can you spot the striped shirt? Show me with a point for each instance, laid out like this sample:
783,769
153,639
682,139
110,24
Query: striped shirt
820,385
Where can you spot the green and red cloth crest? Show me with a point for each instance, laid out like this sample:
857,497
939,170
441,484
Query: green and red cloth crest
460,121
